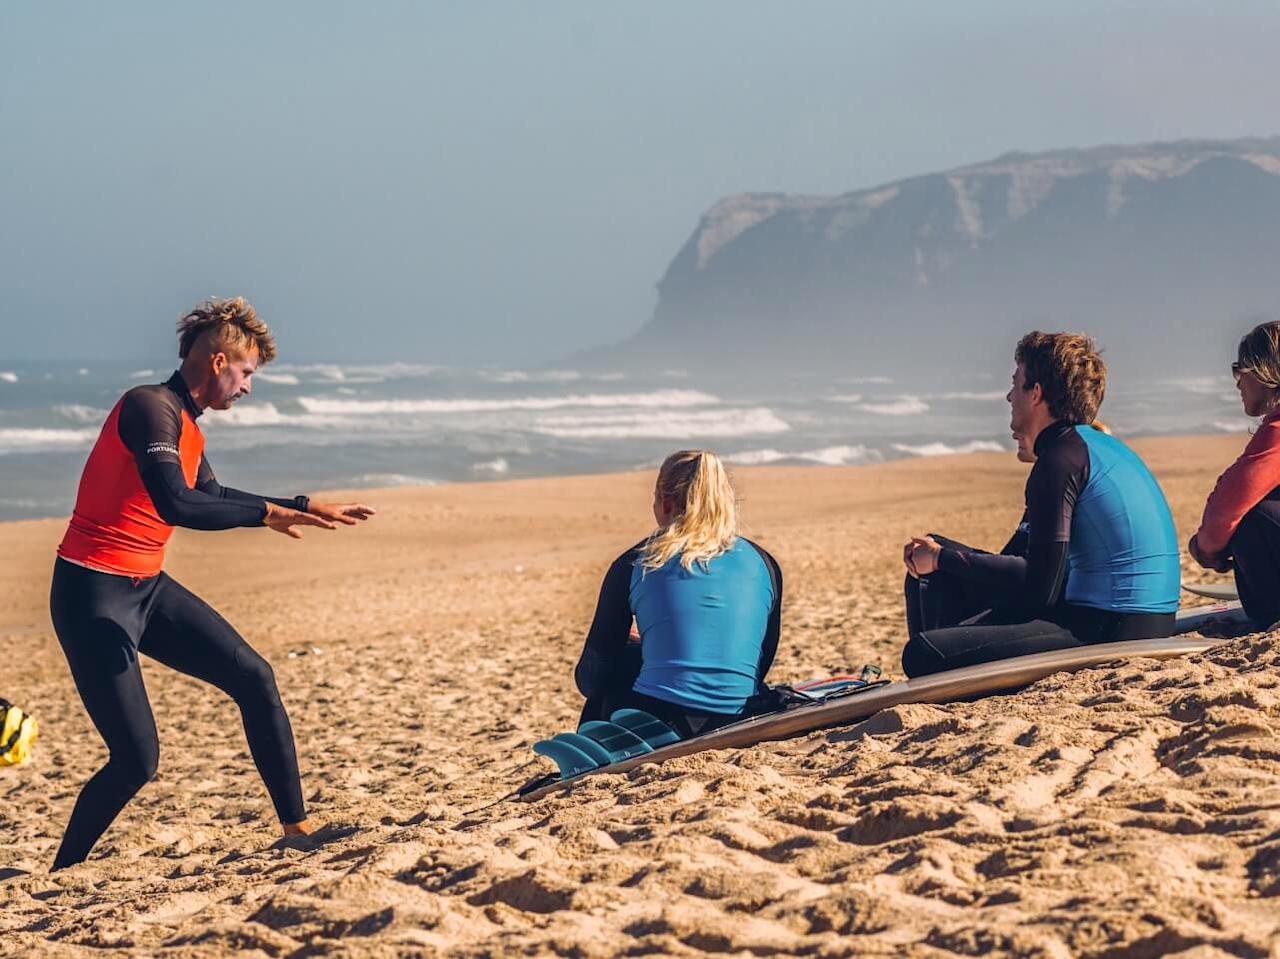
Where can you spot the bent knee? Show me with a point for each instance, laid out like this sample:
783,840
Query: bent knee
137,765
919,658
257,680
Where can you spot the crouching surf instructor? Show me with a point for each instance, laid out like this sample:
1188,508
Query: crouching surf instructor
110,600
1095,559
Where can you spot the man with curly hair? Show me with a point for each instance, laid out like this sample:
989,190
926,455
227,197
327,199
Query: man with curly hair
1095,558
111,601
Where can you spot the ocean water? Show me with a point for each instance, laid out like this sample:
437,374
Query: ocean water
319,426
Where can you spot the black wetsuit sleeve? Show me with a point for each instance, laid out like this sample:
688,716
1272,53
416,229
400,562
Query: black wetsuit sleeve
1054,486
773,627
606,644
206,482
1006,570
150,426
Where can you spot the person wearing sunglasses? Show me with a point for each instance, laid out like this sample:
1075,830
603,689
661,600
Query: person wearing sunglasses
1240,528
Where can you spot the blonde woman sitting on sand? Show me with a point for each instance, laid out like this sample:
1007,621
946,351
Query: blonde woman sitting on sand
707,602
1240,529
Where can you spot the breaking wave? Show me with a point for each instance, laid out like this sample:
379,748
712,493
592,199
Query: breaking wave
663,424
827,456
16,440
905,406
656,400
943,449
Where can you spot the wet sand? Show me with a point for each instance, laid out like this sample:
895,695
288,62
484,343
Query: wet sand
1122,812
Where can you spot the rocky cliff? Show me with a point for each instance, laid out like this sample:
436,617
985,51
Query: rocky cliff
1166,252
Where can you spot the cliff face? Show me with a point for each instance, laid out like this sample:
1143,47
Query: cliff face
1165,252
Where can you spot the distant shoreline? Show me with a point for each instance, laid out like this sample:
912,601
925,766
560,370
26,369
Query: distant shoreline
1223,440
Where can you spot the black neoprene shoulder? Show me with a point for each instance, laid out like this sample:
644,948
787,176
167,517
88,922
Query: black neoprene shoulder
1057,479
150,426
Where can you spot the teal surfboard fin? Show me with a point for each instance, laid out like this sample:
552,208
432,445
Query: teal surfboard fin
649,728
571,760
587,745
620,742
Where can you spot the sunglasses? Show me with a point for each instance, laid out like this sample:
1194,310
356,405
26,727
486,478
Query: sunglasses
1238,370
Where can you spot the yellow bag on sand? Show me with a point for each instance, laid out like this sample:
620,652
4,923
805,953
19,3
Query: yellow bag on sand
17,732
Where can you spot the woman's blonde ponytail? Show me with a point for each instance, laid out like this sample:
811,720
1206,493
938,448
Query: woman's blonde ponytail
706,520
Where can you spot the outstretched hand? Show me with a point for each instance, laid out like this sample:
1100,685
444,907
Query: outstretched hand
284,520
346,513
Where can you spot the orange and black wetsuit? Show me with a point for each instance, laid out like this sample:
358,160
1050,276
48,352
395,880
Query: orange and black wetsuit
110,601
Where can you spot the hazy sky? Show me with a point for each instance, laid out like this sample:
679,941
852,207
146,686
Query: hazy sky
504,183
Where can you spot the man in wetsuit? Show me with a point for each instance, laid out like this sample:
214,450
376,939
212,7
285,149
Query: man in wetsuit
1095,558
110,600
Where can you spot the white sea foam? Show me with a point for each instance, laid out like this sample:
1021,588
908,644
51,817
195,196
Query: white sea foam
967,395
856,380
664,424
283,379
1233,426
8,376
83,371
142,374
903,406
26,504
846,398
268,414
16,439
81,414
499,466
828,456
534,376
655,400
943,449
1201,385
356,373
392,479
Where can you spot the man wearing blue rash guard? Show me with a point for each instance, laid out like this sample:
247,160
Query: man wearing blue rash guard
1095,558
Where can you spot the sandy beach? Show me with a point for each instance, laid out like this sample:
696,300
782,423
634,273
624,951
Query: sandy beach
1122,812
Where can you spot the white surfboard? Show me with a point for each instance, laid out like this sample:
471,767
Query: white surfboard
1221,591
956,684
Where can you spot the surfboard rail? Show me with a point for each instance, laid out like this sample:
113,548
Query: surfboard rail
983,679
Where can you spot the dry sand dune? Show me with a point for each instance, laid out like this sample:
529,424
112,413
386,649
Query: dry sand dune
1122,812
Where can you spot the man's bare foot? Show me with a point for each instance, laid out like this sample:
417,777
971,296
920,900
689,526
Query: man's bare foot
304,828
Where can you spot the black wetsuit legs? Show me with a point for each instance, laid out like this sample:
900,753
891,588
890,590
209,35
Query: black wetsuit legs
989,640
942,599
685,720
103,622
1255,551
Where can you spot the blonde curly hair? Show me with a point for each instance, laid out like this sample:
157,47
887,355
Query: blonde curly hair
232,324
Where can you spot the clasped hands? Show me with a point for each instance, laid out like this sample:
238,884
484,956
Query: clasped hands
920,555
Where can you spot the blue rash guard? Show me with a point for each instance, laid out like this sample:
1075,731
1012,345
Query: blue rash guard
1123,553
709,635
702,629
1095,560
